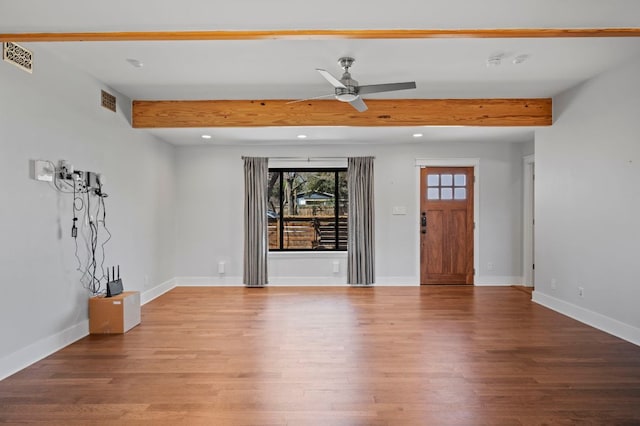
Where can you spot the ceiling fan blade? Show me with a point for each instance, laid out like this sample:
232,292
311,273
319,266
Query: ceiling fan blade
331,79
359,104
308,99
389,87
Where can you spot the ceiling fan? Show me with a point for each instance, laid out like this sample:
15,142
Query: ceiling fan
348,89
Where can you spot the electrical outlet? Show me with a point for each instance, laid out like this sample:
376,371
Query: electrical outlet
65,170
581,291
554,283
490,266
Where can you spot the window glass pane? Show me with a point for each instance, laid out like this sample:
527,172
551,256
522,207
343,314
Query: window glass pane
299,233
309,199
433,180
447,193
343,194
325,237
460,180
343,210
273,210
433,194
343,235
460,193
446,180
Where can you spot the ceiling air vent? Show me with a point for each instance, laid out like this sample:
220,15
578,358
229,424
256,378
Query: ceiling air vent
108,101
18,56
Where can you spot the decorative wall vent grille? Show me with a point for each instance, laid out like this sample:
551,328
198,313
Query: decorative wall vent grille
108,101
18,56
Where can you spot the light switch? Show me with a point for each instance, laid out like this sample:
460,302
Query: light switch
399,210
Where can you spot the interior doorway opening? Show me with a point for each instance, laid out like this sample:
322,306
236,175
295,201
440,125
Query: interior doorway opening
528,234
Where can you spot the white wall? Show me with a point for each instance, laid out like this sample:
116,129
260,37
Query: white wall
54,114
588,203
210,212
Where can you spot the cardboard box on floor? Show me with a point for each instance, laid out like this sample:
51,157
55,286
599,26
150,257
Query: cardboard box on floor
114,315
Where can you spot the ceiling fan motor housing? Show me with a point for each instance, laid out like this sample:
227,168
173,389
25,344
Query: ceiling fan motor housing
350,91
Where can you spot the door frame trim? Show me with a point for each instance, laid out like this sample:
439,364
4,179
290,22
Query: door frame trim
528,216
451,162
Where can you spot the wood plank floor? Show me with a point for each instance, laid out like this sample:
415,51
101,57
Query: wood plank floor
336,356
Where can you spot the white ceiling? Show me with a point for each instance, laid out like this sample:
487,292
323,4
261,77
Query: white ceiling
154,15
271,69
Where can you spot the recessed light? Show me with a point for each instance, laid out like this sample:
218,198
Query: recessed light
417,135
302,136
135,63
206,136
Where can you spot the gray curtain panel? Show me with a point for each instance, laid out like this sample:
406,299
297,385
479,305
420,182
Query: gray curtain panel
256,242
361,250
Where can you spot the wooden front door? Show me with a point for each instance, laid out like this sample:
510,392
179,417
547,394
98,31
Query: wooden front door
446,225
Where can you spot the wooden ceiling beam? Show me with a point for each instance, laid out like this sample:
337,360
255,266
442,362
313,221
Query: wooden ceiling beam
321,34
387,112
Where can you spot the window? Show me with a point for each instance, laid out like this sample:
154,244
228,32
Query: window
307,209
446,186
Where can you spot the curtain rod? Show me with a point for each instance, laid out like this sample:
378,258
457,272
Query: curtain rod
307,158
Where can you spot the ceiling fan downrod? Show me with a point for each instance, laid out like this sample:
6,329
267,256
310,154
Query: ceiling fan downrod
350,92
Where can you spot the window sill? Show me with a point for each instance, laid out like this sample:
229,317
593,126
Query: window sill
307,254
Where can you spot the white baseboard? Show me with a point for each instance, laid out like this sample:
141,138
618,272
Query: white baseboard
332,281
273,281
594,319
36,351
291,281
157,291
328,281
222,281
397,281
497,280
